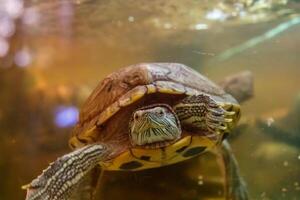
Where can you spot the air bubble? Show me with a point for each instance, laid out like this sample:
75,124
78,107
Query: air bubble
131,19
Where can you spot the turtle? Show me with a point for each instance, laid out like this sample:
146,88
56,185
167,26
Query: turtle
143,116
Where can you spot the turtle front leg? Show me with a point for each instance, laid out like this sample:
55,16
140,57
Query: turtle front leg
58,181
201,112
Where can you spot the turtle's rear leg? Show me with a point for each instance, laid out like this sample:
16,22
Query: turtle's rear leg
235,187
201,112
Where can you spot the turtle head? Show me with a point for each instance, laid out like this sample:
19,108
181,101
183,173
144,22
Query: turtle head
154,126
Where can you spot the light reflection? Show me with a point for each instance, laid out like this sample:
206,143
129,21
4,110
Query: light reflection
78,2
216,15
66,13
201,26
7,27
23,58
131,19
259,39
200,180
168,25
31,17
66,116
13,8
4,47
10,10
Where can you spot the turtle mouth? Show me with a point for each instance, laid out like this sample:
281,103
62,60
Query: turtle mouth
157,145
155,138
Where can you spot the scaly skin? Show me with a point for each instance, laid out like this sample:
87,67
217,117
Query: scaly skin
62,176
201,112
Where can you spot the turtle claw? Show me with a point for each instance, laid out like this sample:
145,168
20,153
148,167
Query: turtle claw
218,120
216,127
216,112
230,113
228,120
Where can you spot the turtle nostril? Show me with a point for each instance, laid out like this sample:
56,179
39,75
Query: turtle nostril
137,115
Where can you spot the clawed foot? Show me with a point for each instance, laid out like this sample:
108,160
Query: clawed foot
219,120
202,112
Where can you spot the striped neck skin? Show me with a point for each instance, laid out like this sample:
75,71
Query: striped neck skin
154,126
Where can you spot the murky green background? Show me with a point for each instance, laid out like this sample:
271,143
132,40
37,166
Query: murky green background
53,53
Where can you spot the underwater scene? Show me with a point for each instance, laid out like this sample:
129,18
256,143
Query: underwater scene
54,53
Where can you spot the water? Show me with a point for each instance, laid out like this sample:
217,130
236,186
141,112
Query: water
52,54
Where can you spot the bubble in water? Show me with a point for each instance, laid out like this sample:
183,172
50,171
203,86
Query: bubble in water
297,187
200,182
201,26
270,121
263,194
167,25
131,19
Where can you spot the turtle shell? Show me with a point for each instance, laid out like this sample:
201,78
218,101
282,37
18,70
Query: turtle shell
105,115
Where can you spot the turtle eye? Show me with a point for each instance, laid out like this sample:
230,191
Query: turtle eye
160,112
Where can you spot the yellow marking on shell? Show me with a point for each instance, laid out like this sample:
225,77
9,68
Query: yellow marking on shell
74,142
25,187
139,93
108,112
151,89
127,99
170,87
159,157
88,136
